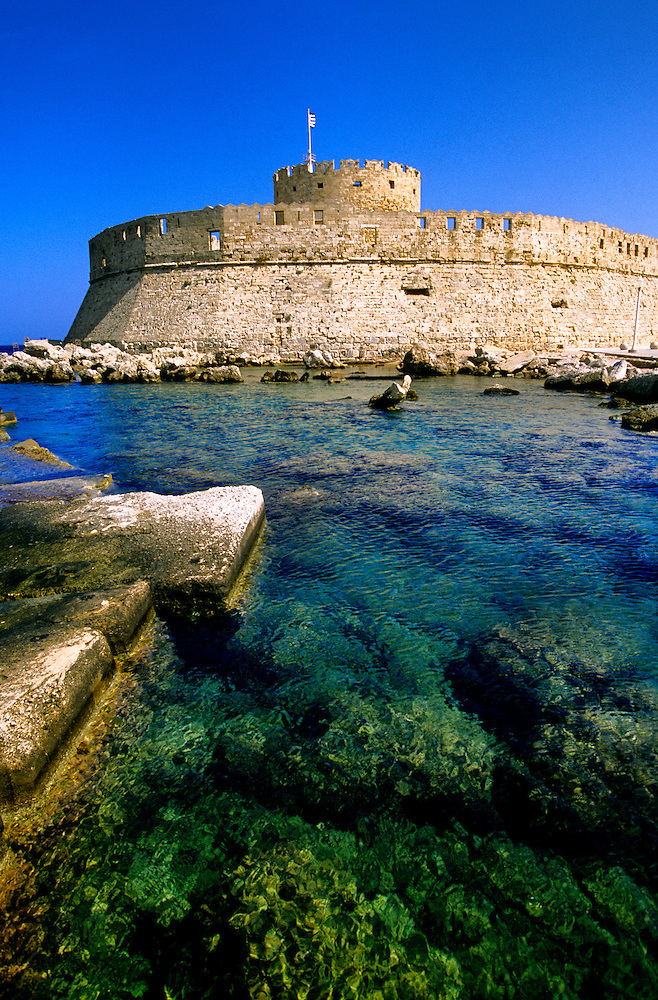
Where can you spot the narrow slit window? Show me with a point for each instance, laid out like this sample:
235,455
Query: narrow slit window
628,248
507,225
215,240
163,227
451,223
259,216
646,251
637,250
479,223
138,230
422,222
279,218
621,247
123,235
601,244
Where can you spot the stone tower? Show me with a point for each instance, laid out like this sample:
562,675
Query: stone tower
391,188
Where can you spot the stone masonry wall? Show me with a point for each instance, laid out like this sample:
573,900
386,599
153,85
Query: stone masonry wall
346,272
368,310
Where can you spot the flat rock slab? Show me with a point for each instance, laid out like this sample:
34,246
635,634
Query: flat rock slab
117,612
54,654
190,548
53,489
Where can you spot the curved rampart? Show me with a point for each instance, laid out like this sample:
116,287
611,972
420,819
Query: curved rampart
286,276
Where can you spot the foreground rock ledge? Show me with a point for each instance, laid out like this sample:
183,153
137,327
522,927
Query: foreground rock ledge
189,548
54,656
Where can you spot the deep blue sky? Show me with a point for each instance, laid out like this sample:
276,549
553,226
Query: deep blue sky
116,110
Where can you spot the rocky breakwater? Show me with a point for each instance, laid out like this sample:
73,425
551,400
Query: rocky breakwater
80,572
628,383
42,361
421,362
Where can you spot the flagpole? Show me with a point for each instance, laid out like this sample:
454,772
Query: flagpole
310,155
310,121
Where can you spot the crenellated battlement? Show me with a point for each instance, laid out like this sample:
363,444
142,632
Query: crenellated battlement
367,187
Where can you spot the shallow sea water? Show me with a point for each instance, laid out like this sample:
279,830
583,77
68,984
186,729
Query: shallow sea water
418,759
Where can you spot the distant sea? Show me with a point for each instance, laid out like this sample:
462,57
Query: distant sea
419,760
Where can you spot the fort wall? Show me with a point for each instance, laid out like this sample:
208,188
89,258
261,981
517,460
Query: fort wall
348,272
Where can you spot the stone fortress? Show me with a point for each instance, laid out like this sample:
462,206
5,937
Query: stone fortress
344,260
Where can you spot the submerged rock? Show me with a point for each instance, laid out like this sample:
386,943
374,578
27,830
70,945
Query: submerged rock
500,390
34,451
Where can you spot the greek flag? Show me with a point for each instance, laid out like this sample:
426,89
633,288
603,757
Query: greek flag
311,120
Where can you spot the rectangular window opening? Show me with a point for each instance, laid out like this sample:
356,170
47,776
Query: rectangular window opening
507,225
628,248
138,230
416,291
479,223
294,188
357,184
637,250
320,184
278,218
621,247
646,251
601,244
423,222
123,235
318,216
451,223
259,216
215,240
163,227
391,184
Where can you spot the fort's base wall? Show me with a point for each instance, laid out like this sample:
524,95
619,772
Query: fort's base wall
366,310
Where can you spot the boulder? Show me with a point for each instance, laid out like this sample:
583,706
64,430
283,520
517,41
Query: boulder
395,393
618,372
578,378
317,358
638,388
280,375
221,375
643,418
419,361
516,363
8,417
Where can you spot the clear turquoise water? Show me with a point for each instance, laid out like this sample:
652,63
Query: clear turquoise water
419,759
